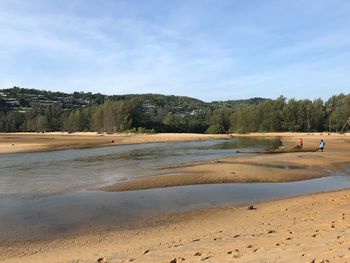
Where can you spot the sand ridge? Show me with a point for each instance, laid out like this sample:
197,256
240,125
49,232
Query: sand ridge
52,141
286,164
312,228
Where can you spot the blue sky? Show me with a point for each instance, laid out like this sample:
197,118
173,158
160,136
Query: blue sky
208,49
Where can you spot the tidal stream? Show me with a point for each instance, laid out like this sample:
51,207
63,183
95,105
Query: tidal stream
52,194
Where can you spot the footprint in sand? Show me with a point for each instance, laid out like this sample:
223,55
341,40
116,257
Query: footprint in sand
206,258
319,261
252,247
198,254
102,260
251,207
235,253
177,260
178,245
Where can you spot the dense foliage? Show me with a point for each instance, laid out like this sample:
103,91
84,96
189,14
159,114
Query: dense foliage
36,110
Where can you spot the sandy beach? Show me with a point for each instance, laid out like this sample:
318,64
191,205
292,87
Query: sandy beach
53,141
286,164
312,228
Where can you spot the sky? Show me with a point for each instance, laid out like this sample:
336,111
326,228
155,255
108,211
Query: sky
207,49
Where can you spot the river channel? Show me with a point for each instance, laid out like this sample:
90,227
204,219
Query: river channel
52,194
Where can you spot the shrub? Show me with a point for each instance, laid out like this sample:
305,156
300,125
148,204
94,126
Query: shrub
215,129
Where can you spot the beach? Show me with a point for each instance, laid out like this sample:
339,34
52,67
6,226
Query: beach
302,229
54,141
309,228
286,164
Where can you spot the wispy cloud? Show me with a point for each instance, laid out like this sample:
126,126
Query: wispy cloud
206,49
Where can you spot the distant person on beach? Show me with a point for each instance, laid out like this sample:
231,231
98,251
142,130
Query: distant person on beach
322,145
301,143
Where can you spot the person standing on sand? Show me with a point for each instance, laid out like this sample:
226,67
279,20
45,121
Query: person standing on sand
301,143
322,145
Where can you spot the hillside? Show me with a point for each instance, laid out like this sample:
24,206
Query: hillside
40,110
21,99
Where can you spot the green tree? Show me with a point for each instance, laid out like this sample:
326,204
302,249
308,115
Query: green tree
215,129
77,120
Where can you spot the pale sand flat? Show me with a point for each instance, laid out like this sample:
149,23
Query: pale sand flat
34,142
313,228
300,229
284,165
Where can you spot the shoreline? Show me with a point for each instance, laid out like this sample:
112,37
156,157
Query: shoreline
295,229
286,164
58,141
306,228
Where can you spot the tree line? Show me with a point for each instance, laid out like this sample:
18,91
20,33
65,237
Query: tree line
117,114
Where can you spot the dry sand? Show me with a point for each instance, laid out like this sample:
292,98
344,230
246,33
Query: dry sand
283,165
313,228
38,142
302,229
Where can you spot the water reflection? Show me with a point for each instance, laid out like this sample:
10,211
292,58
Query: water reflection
54,216
35,174
46,195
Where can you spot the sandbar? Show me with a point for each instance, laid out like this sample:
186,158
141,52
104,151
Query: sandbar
22,142
286,164
310,228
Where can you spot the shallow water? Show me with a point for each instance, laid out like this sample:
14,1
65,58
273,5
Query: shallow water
46,195
38,174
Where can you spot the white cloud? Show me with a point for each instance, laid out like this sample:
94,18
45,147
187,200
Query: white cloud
187,51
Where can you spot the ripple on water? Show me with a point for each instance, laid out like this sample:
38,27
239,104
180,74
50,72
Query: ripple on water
45,196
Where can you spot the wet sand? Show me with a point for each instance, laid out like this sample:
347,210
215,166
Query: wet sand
52,141
312,228
302,229
286,164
